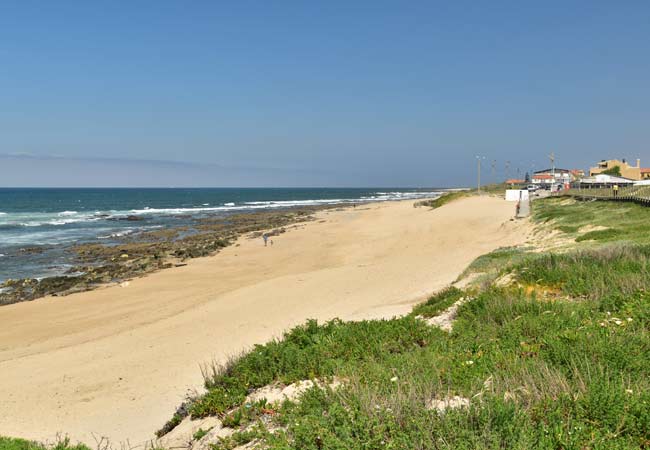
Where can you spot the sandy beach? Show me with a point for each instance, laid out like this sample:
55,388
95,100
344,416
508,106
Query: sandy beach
117,361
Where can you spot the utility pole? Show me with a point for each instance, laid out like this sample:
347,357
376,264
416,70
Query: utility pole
507,169
478,182
552,158
494,169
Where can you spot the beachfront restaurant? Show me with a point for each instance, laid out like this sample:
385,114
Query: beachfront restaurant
601,181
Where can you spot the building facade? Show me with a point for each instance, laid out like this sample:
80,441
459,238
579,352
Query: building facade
625,170
549,177
602,181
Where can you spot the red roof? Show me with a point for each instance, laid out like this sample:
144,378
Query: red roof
645,169
515,181
542,176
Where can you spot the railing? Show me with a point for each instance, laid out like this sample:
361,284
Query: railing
638,194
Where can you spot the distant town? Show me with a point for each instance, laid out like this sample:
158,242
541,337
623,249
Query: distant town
607,173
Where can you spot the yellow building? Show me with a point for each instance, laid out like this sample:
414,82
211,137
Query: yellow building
625,170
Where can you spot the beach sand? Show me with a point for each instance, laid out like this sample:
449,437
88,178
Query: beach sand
117,361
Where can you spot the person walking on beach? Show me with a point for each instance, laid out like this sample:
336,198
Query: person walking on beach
266,238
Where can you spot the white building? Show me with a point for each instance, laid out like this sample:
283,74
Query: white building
550,177
602,180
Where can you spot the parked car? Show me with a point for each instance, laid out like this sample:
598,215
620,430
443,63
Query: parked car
532,188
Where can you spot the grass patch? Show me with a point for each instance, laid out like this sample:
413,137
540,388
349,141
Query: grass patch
625,221
438,302
445,198
22,444
606,273
448,197
200,434
599,235
495,261
307,352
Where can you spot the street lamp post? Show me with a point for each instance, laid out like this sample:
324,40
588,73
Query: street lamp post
478,181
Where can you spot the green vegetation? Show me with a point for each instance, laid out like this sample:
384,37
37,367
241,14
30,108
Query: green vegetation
599,221
22,444
307,352
610,273
494,262
448,197
494,189
616,171
438,302
599,235
445,198
200,433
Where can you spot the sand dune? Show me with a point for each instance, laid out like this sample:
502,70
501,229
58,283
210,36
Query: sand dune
116,362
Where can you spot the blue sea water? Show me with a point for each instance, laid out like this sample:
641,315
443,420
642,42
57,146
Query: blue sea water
53,219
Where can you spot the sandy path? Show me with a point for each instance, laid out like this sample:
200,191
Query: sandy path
117,361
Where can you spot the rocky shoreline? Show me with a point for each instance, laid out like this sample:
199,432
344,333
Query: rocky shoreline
135,255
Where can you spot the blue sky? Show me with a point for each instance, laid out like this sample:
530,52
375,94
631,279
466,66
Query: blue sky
316,93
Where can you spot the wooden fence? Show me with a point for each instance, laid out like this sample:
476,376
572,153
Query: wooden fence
637,194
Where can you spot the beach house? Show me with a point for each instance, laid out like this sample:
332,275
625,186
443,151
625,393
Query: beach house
550,177
515,182
602,180
620,168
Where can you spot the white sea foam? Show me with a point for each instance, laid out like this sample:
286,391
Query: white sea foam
37,219
117,234
60,219
123,231
55,222
269,204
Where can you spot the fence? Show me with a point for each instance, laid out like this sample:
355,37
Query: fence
637,194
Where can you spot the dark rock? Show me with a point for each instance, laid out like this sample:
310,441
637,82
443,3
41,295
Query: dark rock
132,218
32,250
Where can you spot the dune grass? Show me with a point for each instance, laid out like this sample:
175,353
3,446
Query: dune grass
568,371
618,221
438,303
448,197
307,352
445,198
22,444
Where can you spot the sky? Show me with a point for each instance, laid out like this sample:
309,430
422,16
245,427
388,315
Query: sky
320,93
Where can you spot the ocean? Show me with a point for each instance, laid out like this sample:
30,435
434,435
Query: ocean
38,225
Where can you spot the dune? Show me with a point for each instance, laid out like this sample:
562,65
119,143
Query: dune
117,361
